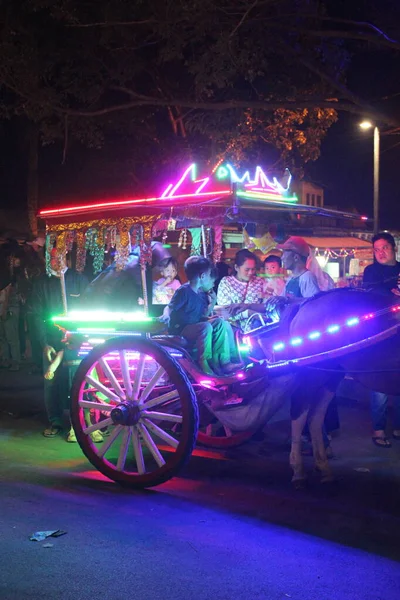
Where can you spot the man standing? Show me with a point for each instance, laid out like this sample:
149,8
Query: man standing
46,301
382,277
302,283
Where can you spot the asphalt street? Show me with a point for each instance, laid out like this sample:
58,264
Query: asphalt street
230,527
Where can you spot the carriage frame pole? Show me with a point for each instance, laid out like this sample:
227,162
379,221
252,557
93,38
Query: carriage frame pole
63,291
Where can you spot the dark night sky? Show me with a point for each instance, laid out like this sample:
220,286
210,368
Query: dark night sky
344,168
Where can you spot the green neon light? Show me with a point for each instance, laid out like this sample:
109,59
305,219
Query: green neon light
222,173
244,348
101,316
95,329
260,196
96,340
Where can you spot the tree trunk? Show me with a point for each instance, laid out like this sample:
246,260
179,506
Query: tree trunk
32,191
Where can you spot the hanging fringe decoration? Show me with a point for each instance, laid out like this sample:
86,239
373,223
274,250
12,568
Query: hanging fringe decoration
80,251
182,243
50,241
195,249
123,246
217,252
61,248
98,255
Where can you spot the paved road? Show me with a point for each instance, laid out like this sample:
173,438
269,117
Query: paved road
230,527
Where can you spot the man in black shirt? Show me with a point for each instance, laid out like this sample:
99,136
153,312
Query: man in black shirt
46,301
382,277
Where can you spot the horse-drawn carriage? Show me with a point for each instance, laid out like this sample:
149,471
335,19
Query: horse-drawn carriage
142,389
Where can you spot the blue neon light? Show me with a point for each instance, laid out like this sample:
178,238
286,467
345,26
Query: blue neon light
278,346
352,321
333,329
297,341
314,335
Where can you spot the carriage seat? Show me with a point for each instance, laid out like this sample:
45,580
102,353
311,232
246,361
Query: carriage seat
173,341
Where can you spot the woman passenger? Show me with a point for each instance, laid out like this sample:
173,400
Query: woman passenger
241,289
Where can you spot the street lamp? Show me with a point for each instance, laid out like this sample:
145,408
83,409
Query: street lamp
365,125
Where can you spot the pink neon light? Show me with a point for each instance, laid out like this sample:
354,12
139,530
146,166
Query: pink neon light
364,218
167,190
56,211
191,168
203,184
240,375
207,383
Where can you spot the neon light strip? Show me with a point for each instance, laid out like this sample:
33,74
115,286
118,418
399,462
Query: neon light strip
192,168
171,185
351,322
56,211
72,209
259,178
203,185
266,196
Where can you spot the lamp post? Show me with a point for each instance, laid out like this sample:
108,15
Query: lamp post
365,125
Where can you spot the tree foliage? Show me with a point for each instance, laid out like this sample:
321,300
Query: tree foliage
201,78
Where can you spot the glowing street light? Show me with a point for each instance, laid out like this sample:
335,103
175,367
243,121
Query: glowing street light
365,126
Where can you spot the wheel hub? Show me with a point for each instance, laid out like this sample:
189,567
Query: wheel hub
127,413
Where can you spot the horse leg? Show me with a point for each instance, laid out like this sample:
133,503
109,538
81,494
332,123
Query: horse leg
316,421
296,458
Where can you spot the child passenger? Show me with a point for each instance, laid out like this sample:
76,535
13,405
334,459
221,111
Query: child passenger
164,288
274,283
189,314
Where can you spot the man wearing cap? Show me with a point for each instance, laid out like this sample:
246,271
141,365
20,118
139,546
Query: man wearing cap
302,283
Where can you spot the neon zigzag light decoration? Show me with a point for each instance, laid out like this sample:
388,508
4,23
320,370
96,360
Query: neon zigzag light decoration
260,186
260,182
170,190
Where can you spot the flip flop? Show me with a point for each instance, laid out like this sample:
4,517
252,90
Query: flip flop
384,440
52,431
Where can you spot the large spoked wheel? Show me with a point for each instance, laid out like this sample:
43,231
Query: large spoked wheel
134,412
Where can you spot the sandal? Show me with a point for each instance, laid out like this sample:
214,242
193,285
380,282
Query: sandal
52,431
396,436
381,442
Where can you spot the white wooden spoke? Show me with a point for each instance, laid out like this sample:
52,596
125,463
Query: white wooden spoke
152,384
95,405
174,395
163,435
97,426
124,362
111,377
137,382
102,388
150,414
123,451
109,441
148,441
137,451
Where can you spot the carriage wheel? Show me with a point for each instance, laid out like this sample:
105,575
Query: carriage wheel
148,407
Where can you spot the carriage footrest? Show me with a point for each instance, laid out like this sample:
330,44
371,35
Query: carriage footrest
175,341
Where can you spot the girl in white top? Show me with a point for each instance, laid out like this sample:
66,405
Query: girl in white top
241,288
165,288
